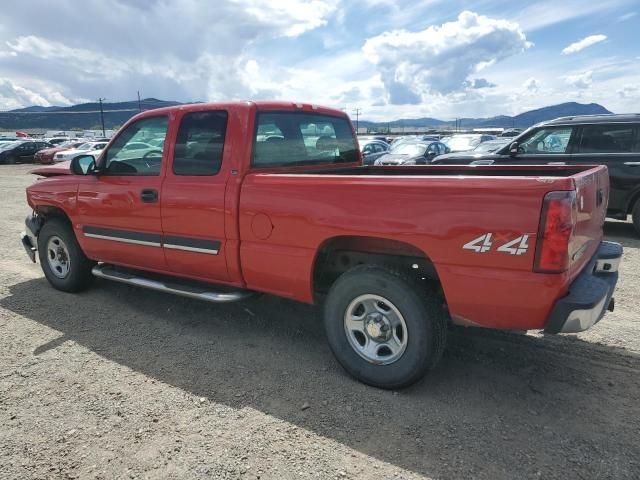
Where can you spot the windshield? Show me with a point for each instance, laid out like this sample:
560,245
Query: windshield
84,146
412,149
463,142
7,145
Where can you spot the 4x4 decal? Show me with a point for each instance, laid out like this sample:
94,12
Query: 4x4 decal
484,243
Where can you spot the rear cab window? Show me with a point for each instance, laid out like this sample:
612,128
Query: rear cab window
297,139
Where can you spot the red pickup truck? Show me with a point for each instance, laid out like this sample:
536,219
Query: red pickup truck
216,201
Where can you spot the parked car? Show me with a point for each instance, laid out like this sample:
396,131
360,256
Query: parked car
372,150
22,151
477,153
611,140
58,140
412,153
93,148
467,142
394,254
511,132
46,156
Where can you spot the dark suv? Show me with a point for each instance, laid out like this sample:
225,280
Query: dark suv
611,140
22,151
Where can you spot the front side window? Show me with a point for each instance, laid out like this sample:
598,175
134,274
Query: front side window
200,144
607,139
546,141
145,158
288,139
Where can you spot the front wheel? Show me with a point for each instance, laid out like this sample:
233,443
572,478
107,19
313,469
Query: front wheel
385,329
63,261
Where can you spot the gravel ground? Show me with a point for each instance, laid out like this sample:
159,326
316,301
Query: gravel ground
120,382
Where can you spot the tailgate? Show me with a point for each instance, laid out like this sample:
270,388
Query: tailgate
592,195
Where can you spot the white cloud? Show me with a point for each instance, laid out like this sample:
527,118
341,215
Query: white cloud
580,80
584,43
13,95
629,91
439,59
531,85
292,17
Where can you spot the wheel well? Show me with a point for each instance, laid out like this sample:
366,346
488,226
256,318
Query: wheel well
340,254
632,202
46,212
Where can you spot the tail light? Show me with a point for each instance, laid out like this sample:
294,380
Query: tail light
557,224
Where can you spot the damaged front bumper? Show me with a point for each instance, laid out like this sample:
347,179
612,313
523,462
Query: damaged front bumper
29,236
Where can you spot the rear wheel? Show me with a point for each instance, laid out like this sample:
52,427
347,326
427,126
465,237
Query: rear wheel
63,261
385,329
635,216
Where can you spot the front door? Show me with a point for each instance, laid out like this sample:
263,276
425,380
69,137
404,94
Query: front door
546,145
193,198
119,209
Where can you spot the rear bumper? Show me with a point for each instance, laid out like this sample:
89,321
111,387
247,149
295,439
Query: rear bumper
590,294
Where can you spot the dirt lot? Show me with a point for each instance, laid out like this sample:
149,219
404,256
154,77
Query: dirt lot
120,382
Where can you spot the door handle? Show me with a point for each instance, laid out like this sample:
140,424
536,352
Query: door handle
632,164
556,163
149,195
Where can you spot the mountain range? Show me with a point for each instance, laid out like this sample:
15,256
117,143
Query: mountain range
523,120
87,116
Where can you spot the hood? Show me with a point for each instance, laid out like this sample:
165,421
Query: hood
52,150
62,168
467,156
394,158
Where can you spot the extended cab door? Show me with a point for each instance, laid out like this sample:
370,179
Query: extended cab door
193,197
119,209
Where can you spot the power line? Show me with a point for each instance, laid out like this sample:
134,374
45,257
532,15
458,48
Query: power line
357,113
102,115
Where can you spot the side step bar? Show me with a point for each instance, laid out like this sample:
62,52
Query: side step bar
168,286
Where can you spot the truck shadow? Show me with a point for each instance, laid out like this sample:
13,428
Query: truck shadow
623,232
501,405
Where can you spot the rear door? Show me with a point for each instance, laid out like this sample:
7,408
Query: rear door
616,145
193,197
119,209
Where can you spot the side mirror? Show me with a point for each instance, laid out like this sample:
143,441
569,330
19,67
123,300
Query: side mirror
514,149
83,165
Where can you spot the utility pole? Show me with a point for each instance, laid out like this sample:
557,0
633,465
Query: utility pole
102,116
357,113
139,105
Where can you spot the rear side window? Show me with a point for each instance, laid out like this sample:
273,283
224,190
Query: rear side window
608,139
200,144
288,139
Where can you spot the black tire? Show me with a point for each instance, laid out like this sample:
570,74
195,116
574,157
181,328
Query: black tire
79,275
11,160
635,216
421,309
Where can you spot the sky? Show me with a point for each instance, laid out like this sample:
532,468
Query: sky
389,58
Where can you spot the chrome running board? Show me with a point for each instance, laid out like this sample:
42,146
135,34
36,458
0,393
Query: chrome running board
197,291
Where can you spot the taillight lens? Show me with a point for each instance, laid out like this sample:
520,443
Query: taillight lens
557,224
